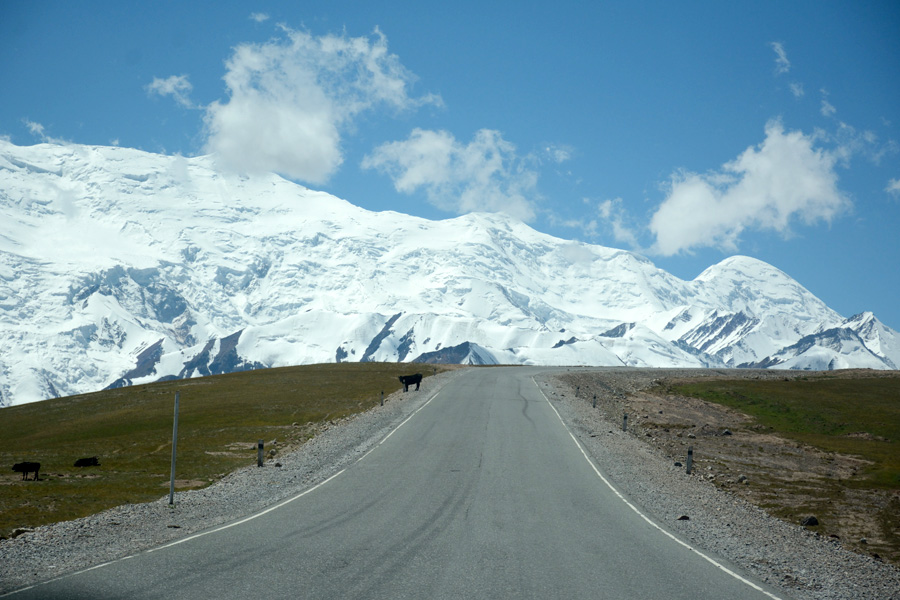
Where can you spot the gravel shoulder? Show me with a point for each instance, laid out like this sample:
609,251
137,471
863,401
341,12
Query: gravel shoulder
789,558
801,563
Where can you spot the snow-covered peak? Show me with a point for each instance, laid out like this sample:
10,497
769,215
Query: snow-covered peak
119,266
748,285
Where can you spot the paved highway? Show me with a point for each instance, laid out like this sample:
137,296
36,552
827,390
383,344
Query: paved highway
482,493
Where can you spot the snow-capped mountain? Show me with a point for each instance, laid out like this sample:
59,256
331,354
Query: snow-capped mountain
120,267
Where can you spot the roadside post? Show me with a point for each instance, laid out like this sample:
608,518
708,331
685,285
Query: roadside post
174,444
595,400
259,453
625,423
690,459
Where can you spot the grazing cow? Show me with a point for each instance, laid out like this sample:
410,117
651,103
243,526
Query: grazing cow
27,467
408,380
87,462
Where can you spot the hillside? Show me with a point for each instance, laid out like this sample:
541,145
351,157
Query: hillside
119,267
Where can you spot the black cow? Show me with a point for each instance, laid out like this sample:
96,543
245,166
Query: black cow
27,467
87,462
408,380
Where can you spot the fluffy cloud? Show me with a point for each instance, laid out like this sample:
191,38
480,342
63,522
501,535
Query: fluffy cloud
259,17
176,86
782,64
768,187
484,175
290,100
893,188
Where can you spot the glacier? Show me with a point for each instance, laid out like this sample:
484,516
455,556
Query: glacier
120,267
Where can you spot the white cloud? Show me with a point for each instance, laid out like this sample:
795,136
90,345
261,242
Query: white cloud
34,128
259,17
768,187
176,86
797,90
616,218
483,175
290,100
850,143
38,130
893,188
782,64
828,108
558,153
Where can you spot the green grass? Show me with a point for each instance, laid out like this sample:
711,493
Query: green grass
826,412
130,430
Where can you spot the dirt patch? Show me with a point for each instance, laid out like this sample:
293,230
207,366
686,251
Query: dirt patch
789,480
181,484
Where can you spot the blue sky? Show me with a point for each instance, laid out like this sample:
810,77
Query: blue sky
687,132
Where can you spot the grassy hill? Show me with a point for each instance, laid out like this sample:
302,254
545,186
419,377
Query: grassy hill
130,431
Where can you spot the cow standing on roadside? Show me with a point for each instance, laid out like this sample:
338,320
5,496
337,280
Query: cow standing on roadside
408,380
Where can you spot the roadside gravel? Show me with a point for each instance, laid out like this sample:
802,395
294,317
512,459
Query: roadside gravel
787,557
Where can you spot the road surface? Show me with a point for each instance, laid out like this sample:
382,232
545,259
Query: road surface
482,493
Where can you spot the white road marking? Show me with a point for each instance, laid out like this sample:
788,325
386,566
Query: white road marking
230,525
642,515
291,499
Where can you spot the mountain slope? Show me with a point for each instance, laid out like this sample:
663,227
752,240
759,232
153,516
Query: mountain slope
120,267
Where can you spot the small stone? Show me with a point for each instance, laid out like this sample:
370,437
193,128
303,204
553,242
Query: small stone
678,464
684,518
726,432
863,541
21,530
742,479
692,436
809,521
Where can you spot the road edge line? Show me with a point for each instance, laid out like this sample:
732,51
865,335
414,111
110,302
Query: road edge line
642,515
223,527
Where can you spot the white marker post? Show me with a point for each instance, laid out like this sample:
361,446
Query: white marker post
174,444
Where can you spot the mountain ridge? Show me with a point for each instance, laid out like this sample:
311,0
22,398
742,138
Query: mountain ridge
119,267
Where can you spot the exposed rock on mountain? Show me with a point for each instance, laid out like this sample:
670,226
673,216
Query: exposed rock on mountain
120,267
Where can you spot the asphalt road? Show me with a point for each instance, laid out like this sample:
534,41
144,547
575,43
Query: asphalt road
482,493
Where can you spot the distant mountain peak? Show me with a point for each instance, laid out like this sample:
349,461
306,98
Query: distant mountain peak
119,267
